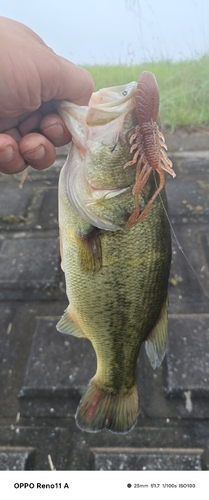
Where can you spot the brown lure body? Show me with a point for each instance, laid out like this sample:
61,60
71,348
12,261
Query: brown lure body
147,143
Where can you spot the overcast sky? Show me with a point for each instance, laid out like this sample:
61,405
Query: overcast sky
117,31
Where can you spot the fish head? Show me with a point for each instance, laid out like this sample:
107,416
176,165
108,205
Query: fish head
94,170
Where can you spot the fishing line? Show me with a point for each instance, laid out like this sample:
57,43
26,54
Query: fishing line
177,241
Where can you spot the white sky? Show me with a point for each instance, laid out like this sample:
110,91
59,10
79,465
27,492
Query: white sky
117,31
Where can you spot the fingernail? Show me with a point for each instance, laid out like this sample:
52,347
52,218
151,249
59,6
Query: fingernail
7,154
35,154
55,131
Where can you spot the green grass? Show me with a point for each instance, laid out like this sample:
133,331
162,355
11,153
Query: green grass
184,88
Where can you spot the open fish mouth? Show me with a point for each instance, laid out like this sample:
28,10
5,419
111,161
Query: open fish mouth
105,105
101,124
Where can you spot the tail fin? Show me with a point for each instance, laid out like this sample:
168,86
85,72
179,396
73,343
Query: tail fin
100,409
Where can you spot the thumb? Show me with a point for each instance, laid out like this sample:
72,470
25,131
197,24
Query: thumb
67,81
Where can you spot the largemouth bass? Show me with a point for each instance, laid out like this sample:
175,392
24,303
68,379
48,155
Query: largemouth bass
116,265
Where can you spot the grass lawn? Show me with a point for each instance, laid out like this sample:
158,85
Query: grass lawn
184,89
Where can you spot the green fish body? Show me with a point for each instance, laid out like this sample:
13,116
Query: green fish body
116,277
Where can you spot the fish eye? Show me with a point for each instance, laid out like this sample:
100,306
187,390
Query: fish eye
125,92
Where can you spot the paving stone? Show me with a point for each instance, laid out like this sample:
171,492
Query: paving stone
183,140
155,401
20,211
29,268
189,288
42,442
8,350
17,324
186,203
12,458
48,213
193,165
186,371
147,459
14,202
169,439
204,239
57,373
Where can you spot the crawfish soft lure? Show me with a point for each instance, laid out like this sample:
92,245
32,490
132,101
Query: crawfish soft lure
147,143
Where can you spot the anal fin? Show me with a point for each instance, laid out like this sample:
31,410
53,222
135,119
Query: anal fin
155,344
66,325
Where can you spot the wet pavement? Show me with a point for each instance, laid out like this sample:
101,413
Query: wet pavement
43,373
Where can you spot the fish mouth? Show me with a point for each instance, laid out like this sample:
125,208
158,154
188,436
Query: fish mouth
105,106
101,123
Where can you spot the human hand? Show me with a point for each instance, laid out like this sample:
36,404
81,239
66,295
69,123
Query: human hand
32,79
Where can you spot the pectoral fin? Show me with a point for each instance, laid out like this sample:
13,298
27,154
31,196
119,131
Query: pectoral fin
66,325
155,344
89,249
